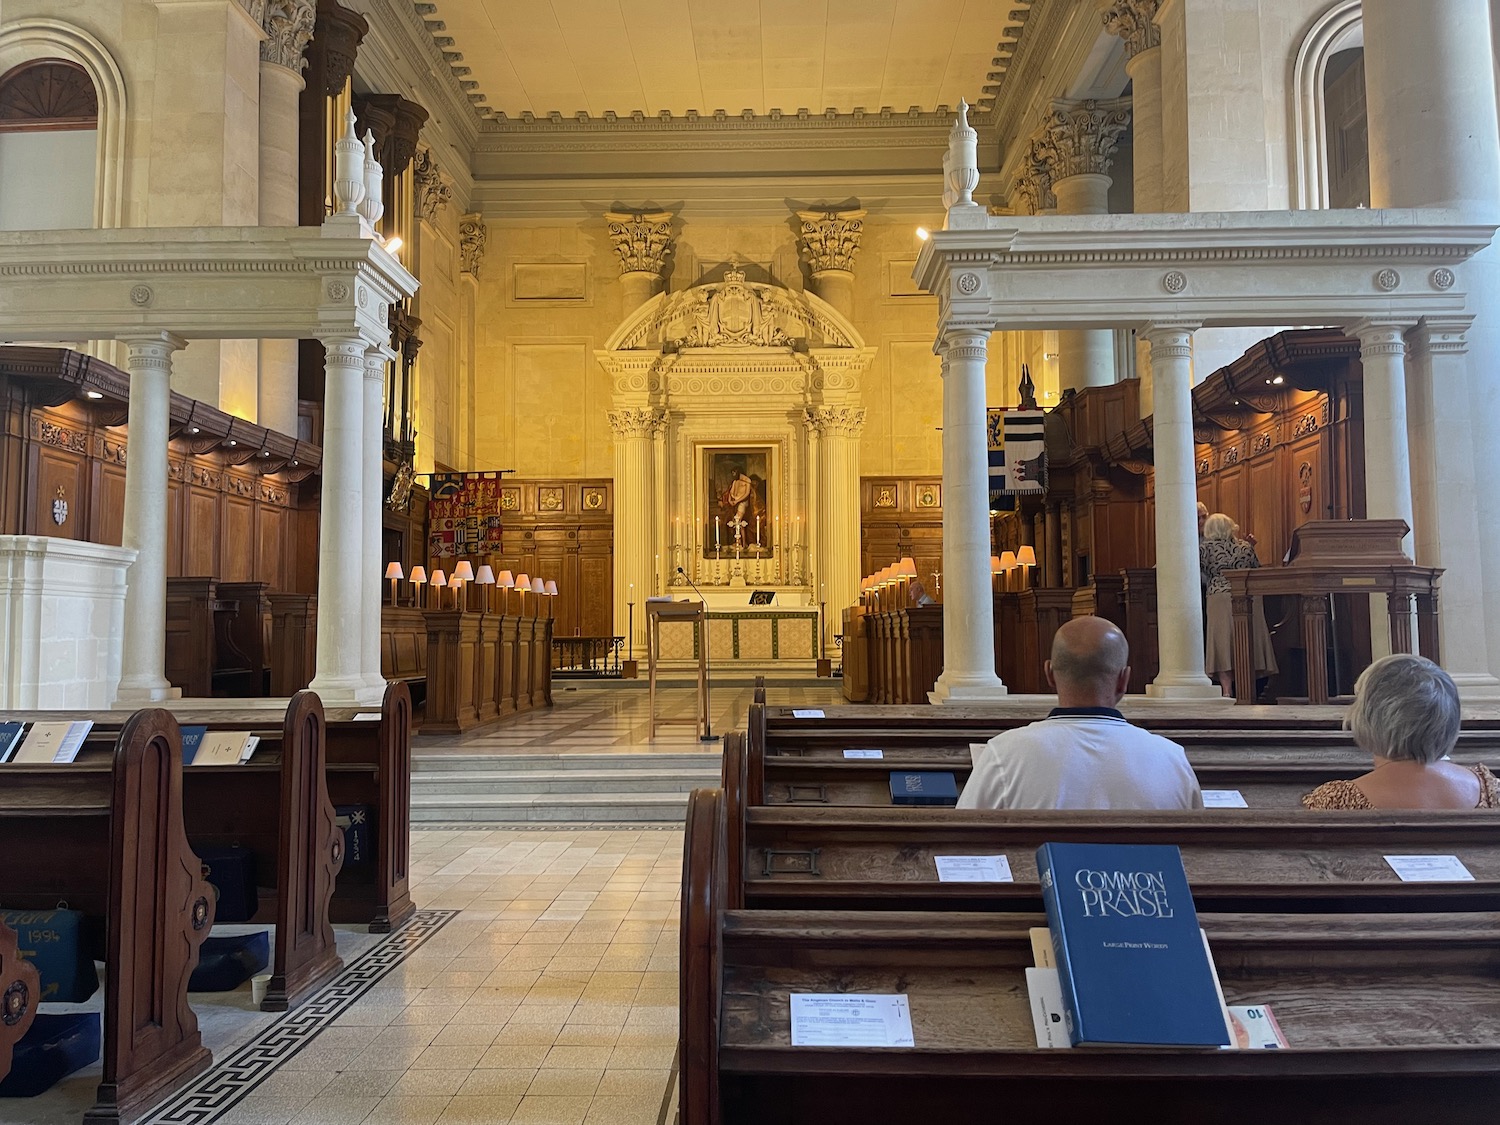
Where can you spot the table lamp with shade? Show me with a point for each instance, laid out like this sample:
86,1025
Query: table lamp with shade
463,574
507,582
438,581
393,572
907,570
1007,564
1025,559
539,588
994,571
484,576
523,587
418,578
551,592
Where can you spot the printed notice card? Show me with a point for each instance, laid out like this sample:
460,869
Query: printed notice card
973,869
846,1020
864,753
1429,868
1224,799
807,713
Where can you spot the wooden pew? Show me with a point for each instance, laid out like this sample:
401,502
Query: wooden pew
277,806
106,834
369,763
1237,859
20,992
1388,1017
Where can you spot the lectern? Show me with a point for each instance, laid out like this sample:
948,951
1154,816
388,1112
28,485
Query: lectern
687,612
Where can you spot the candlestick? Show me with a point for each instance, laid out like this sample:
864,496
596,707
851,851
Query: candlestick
757,531
716,533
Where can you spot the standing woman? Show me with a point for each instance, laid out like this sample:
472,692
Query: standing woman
1219,551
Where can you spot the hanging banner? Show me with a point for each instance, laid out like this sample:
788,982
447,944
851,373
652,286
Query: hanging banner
1017,453
463,515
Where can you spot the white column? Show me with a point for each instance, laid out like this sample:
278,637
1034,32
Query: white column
1382,353
1086,357
339,676
1179,613
1144,69
280,87
144,659
837,570
1445,497
1430,82
968,606
632,429
372,556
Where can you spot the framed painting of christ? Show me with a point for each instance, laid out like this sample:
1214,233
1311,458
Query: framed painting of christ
735,491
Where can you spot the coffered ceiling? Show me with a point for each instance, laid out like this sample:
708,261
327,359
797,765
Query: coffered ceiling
573,58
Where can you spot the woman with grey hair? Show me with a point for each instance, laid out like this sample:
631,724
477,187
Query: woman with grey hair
1406,714
1219,550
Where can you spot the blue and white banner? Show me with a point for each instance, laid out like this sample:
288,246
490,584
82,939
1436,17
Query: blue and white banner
1018,453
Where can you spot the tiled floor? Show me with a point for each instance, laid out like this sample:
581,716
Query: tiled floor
615,718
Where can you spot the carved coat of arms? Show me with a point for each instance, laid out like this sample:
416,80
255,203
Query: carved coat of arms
735,314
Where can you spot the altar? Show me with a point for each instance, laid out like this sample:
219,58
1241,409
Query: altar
745,637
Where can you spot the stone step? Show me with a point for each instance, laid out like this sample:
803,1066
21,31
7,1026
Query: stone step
513,808
567,781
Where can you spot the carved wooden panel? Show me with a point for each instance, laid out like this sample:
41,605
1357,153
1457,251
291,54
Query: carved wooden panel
58,475
200,554
270,552
107,512
237,540
596,582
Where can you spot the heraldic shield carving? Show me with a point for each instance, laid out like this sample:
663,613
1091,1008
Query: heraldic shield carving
735,314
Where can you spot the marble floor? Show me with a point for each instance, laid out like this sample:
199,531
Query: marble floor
615,718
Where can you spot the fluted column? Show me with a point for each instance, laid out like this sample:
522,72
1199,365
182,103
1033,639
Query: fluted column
1179,618
339,676
288,25
829,240
372,560
1076,143
632,428
643,242
1445,497
1430,82
143,661
837,567
968,604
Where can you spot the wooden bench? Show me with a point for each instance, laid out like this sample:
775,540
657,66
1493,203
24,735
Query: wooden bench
277,806
1388,1017
1237,859
106,835
369,763
20,992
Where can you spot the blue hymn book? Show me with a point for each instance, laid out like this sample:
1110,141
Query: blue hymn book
1132,962
923,788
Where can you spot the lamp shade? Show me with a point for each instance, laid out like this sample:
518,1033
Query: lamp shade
551,588
888,575
439,578
419,576
505,579
486,576
464,571
908,567
994,564
1007,560
523,581
538,586
393,570
1026,555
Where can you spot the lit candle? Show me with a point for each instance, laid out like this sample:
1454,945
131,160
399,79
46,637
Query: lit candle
716,533
757,532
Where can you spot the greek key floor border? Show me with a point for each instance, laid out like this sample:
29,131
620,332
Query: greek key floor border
235,1074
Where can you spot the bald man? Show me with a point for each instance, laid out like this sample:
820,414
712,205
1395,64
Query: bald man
1083,755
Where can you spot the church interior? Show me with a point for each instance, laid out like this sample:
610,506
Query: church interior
496,497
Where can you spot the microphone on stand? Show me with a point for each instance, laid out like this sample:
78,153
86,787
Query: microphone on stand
708,735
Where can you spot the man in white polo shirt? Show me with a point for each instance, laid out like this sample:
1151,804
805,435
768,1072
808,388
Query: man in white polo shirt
1083,755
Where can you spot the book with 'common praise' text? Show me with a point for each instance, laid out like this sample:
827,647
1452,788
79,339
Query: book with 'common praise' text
1132,962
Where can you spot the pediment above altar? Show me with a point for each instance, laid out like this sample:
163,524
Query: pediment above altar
735,314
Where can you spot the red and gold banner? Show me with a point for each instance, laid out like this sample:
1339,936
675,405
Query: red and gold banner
463,515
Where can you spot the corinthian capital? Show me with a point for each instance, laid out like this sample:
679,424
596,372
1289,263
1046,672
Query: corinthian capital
830,239
1135,22
642,239
837,421
1034,183
1079,137
635,421
472,237
432,193
288,25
